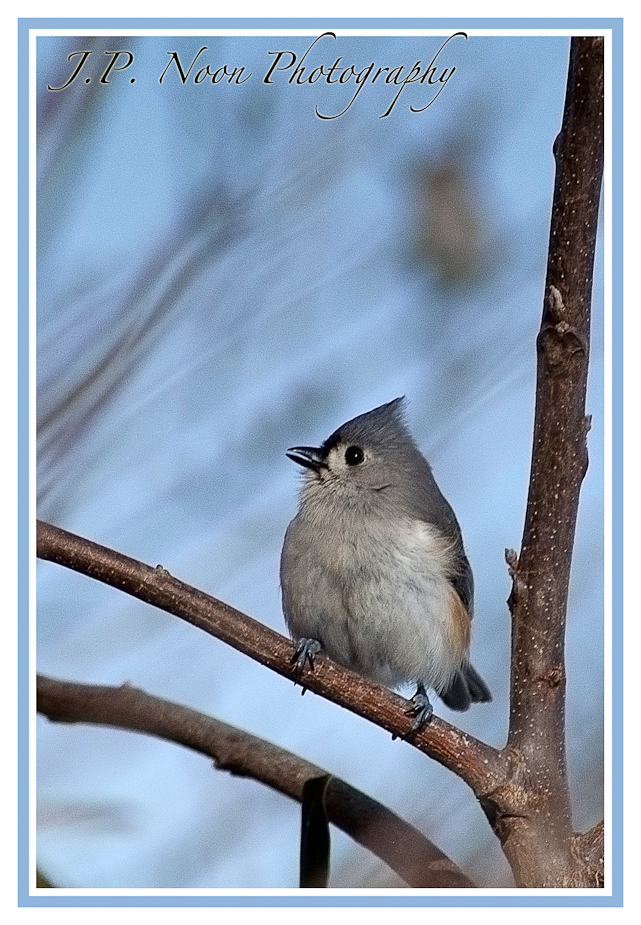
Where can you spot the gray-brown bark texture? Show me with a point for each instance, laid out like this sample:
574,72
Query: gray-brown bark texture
537,843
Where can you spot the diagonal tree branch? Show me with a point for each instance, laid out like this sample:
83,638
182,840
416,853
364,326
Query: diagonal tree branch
414,858
477,764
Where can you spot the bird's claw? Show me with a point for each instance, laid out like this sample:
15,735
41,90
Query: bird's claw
421,709
304,654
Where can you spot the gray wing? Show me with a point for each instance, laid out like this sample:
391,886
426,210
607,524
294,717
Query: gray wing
435,509
467,686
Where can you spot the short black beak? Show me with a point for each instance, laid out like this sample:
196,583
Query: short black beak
309,456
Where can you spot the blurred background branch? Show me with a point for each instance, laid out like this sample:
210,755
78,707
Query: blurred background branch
407,851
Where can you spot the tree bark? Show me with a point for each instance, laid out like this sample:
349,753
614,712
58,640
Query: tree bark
537,843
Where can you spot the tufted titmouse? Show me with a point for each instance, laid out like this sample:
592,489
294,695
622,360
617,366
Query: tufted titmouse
373,569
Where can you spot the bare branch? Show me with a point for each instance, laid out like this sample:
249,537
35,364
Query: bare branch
477,764
414,858
559,460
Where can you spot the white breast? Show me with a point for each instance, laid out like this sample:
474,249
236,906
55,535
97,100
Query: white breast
401,608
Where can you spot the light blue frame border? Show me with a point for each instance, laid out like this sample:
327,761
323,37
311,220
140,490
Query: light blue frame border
254,900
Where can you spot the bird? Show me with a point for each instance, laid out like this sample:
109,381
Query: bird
373,569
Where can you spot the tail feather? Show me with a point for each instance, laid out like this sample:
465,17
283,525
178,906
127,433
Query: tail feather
465,688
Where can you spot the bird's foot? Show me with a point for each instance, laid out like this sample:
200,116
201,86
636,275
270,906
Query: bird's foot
421,709
304,654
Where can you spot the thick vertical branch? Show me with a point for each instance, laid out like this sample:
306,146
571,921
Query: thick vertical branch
559,461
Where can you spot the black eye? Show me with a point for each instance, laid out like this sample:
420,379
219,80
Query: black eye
354,456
